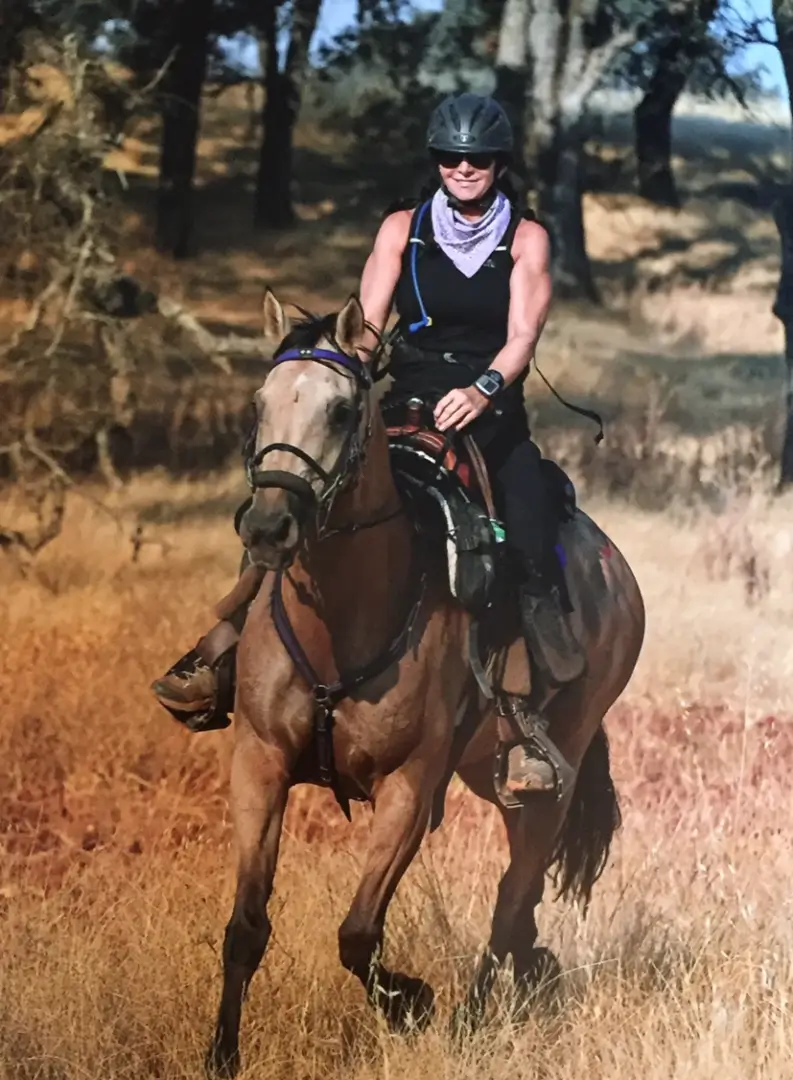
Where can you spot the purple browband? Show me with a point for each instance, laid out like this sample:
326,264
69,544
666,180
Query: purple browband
351,363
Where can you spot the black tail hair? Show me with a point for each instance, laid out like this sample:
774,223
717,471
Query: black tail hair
582,849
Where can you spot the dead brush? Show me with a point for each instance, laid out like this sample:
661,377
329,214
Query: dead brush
731,550
647,460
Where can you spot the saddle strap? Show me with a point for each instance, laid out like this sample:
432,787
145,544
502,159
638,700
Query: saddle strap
478,462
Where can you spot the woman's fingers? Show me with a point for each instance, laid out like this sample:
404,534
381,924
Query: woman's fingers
453,419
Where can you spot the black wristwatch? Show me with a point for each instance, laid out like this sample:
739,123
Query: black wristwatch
490,383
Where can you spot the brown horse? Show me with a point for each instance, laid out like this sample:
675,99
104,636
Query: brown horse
354,631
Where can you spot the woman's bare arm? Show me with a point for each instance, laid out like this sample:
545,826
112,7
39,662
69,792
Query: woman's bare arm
529,301
381,273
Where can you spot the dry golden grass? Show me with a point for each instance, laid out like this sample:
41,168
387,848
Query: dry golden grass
116,875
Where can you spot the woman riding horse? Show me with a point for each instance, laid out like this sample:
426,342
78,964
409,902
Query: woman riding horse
468,272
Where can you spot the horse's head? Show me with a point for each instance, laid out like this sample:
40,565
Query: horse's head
313,416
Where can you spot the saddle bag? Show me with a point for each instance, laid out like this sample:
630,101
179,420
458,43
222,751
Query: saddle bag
442,504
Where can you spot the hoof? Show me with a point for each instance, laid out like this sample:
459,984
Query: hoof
538,985
466,1020
221,1063
543,971
407,1004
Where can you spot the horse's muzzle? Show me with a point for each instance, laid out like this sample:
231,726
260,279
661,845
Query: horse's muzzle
271,528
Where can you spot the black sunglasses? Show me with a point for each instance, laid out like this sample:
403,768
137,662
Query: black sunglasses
450,159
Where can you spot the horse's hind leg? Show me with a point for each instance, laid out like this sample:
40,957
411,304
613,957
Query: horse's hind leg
402,810
259,790
531,832
575,833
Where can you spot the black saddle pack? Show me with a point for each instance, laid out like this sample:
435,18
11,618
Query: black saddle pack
445,479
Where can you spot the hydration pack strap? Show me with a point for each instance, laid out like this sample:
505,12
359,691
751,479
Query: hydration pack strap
415,241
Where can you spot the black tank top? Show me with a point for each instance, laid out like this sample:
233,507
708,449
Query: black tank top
469,316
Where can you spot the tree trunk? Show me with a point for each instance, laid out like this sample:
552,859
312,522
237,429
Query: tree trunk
181,113
783,309
15,17
786,464
783,215
566,66
273,205
653,126
558,163
512,71
653,114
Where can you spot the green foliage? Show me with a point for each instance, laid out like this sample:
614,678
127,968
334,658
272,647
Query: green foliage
371,84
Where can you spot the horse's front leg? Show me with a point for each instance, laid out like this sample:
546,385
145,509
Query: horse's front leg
402,807
259,790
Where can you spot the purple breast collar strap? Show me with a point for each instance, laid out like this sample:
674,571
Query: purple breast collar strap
328,695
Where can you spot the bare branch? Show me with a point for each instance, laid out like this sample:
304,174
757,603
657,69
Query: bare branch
216,348
597,64
50,525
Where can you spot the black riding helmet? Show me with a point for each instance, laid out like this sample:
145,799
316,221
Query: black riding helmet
470,122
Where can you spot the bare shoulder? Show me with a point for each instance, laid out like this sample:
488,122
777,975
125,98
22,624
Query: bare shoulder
531,239
394,233
532,244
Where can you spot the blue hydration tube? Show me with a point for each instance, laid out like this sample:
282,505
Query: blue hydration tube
425,319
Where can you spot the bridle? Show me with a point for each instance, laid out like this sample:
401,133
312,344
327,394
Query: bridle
347,469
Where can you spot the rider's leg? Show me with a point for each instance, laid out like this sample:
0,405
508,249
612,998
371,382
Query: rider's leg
519,487
192,685
531,536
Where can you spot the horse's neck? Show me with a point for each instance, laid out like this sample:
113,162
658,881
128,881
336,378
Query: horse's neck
359,582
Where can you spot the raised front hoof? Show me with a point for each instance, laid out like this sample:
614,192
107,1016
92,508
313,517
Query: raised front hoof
407,1004
221,1063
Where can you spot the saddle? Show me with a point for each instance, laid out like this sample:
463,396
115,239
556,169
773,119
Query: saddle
445,479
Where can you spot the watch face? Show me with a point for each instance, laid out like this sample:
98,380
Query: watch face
487,384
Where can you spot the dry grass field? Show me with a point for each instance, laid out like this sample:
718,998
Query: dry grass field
116,867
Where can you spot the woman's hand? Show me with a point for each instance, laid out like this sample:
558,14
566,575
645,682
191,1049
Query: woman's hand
458,408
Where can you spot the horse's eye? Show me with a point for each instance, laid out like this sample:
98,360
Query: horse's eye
340,414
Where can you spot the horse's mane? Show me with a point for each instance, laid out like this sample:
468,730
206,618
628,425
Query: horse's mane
308,331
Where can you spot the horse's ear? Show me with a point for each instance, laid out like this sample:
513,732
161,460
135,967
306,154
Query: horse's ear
276,321
350,325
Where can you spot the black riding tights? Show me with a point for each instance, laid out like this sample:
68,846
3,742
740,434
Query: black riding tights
520,493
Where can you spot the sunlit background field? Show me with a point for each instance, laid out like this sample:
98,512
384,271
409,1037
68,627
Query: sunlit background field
116,874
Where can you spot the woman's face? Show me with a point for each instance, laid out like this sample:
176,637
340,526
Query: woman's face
469,177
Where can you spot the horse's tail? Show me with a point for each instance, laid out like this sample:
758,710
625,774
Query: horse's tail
582,849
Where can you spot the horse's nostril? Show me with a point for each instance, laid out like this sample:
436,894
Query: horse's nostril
281,530
274,531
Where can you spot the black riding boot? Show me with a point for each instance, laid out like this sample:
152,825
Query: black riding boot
550,639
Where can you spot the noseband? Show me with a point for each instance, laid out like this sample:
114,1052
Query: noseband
353,451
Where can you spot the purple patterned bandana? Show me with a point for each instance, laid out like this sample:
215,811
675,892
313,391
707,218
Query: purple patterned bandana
469,243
